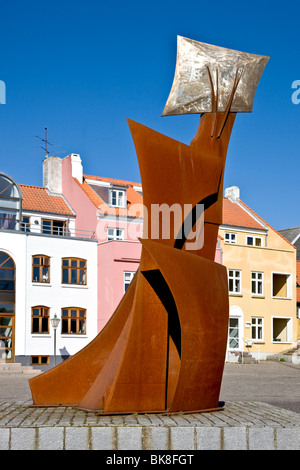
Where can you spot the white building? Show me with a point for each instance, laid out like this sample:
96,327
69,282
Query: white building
46,269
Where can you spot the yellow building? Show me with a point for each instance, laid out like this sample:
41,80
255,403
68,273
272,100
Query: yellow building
261,266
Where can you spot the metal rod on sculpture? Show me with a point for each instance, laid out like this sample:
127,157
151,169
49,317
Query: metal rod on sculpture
238,75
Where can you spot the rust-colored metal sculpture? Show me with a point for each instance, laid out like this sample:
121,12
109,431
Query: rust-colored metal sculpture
163,349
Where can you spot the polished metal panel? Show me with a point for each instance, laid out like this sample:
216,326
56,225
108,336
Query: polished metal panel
198,64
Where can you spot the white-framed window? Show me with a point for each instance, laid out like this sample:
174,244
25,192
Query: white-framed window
257,328
128,276
281,285
115,233
118,198
254,241
234,281
282,329
257,283
230,237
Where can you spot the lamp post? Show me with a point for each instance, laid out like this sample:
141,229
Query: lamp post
55,322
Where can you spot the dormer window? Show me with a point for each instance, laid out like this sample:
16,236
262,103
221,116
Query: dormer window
118,198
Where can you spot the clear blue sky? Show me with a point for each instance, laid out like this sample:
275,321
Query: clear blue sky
82,68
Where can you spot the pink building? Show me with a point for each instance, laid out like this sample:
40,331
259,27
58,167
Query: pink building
112,210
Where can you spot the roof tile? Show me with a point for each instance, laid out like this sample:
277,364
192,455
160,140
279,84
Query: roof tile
134,198
234,214
39,199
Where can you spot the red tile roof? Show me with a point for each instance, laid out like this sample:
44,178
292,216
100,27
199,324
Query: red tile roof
134,198
268,225
235,214
241,215
38,199
112,180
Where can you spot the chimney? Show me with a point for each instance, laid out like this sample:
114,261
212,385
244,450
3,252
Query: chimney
52,174
77,170
233,193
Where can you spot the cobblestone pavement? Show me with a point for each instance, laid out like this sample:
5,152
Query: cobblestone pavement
249,420
21,414
276,383
240,426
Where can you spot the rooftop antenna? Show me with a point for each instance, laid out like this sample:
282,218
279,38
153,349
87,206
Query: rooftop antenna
46,142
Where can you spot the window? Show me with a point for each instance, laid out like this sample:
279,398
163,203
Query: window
40,319
74,271
53,227
257,283
25,225
39,360
7,306
40,268
234,278
73,321
230,237
254,241
117,198
257,328
7,274
281,285
10,203
115,233
282,329
128,276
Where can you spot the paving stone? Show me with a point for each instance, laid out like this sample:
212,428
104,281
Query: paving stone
156,438
261,438
51,438
77,438
104,438
23,439
182,438
234,438
129,438
288,438
4,439
208,438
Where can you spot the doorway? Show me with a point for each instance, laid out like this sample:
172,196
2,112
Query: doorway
235,329
233,334
6,338
7,308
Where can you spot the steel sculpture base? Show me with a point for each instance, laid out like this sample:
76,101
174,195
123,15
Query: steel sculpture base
163,350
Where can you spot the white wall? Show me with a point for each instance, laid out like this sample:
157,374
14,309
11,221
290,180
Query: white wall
21,247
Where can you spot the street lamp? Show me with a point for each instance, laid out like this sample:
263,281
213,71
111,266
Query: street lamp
55,322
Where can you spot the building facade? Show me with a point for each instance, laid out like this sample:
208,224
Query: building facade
71,249
45,270
293,235
261,263
113,210
261,266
